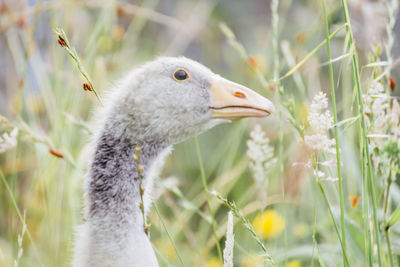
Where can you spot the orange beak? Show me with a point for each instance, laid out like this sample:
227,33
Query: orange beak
233,101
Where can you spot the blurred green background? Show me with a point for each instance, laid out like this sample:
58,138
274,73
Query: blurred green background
41,94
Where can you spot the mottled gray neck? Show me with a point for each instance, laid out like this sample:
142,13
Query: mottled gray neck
113,189
113,234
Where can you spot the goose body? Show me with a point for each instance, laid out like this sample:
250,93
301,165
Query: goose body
157,105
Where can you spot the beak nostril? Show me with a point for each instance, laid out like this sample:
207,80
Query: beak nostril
239,94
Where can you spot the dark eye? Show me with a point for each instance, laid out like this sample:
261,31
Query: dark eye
181,75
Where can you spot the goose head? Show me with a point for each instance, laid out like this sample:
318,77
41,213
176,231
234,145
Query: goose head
155,106
174,98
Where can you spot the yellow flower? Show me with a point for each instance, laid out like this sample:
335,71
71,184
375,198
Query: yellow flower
269,224
294,264
214,262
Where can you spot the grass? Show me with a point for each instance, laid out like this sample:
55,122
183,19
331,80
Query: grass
204,182
364,142
289,50
337,144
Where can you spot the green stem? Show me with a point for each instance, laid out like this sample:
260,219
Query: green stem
203,179
168,234
314,225
309,55
389,247
356,78
368,254
335,120
386,204
385,212
395,218
333,218
275,48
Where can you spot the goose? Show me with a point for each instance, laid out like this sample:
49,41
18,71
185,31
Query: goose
155,106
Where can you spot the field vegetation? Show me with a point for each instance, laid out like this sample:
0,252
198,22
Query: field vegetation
315,184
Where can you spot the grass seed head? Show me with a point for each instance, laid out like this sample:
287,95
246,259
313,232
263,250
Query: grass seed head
56,153
140,169
61,41
87,87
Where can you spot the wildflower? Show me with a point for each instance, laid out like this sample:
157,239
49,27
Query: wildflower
269,224
293,264
320,121
261,154
319,118
214,262
229,243
8,141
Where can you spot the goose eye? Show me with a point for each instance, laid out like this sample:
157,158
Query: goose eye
181,75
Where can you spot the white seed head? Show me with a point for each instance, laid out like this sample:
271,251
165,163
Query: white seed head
261,154
319,118
229,242
320,142
321,121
